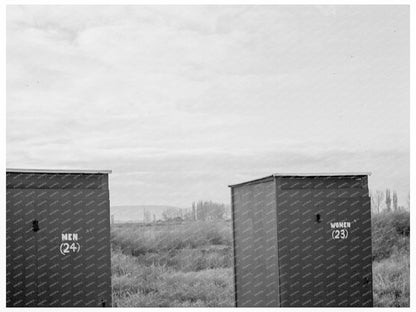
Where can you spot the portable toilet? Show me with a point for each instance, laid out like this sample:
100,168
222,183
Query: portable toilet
302,240
58,238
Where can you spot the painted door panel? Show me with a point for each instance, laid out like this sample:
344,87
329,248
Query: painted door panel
42,273
321,265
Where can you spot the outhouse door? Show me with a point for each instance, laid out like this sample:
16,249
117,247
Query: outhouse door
324,248
58,247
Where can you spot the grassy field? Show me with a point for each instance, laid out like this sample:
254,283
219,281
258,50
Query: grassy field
188,264
391,266
191,264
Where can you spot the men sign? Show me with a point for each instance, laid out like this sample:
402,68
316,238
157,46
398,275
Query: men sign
69,243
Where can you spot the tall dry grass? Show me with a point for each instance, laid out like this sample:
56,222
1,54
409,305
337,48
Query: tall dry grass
391,266
136,239
137,285
190,264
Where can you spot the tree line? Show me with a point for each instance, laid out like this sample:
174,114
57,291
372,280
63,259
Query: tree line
387,201
200,211
208,210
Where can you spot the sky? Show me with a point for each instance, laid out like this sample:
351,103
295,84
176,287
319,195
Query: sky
181,101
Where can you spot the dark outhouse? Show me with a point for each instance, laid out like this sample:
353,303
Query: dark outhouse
302,240
58,238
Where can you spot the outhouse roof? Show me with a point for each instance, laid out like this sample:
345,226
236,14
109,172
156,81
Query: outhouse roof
87,171
320,174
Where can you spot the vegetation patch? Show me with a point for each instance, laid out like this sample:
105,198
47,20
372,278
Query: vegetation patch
190,264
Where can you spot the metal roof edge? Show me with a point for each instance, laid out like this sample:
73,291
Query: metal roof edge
21,170
322,174
253,181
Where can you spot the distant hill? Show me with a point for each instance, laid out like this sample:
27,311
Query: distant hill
135,213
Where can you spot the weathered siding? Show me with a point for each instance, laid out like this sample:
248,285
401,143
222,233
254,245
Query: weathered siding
255,245
311,264
37,273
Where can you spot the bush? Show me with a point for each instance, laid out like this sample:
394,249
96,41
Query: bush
205,288
209,288
390,231
139,240
188,259
391,281
190,264
129,276
138,285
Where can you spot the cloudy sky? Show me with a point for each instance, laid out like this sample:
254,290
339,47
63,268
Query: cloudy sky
181,101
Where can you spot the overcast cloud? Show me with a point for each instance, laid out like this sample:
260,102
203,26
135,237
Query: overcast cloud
181,101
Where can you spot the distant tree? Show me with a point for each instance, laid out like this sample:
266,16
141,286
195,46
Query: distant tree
227,211
193,211
388,200
217,211
408,201
178,218
187,214
377,199
395,200
208,210
147,216
171,214
201,213
166,215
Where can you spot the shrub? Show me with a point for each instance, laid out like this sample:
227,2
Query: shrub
139,240
136,284
189,259
207,288
129,276
390,232
391,281
190,264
